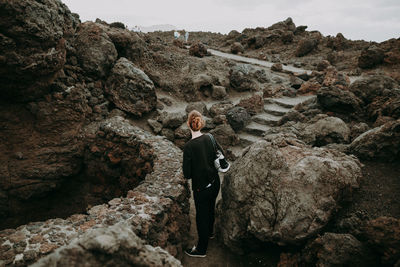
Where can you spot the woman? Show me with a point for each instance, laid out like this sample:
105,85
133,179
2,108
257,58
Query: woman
198,165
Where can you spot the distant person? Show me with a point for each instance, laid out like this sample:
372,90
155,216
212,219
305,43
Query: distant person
198,165
176,35
186,36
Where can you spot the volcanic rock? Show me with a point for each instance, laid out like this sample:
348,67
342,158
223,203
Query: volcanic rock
198,50
117,245
283,192
383,234
328,130
305,46
253,104
218,92
333,249
371,57
240,77
220,108
238,118
199,106
32,46
94,49
335,99
381,143
237,48
131,89
225,135
372,86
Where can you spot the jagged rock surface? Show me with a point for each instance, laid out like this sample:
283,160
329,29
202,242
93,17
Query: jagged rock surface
117,245
283,192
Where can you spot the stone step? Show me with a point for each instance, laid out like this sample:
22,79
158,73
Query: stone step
266,119
255,128
288,102
247,139
275,109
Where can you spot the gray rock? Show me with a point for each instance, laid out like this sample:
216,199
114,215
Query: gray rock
155,126
237,48
381,143
372,86
33,46
172,120
329,130
117,245
199,106
371,57
94,49
305,46
240,78
238,118
168,133
335,99
218,92
131,89
283,192
220,108
225,135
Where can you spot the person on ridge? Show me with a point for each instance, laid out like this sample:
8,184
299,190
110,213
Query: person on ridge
198,165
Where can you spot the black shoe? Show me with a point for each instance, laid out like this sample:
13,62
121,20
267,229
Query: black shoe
192,252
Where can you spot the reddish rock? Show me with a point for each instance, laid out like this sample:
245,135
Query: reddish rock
237,48
253,104
33,46
383,234
309,87
198,50
305,47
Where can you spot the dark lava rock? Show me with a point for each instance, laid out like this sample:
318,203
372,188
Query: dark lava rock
305,46
131,89
32,46
338,100
94,49
371,57
372,86
237,48
238,118
198,50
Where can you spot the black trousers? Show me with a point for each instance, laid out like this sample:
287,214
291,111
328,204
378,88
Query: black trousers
204,202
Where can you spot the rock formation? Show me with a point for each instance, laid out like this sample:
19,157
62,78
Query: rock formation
283,192
117,245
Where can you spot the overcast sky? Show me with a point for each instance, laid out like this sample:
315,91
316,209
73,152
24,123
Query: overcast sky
375,20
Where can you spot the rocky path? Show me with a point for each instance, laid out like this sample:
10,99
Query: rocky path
254,61
274,110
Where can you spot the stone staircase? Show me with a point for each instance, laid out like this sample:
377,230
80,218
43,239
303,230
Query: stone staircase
274,110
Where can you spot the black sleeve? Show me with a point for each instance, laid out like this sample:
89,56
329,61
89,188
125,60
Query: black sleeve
187,163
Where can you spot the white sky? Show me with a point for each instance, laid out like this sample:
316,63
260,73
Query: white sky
375,20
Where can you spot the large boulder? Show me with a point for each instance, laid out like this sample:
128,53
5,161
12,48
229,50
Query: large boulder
305,46
328,130
338,100
370,57
383,234
127,43
225,135
372,86
237,48
32,46
198,50
117,245
238,118
241,78
94,49
381,143
333,249
283,192
131,89
287,24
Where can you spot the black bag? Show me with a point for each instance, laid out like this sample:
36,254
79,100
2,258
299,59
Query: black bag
220,163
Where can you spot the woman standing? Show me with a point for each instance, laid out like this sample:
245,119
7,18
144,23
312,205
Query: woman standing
198,165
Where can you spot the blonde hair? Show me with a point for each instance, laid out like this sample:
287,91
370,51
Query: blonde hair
195,121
